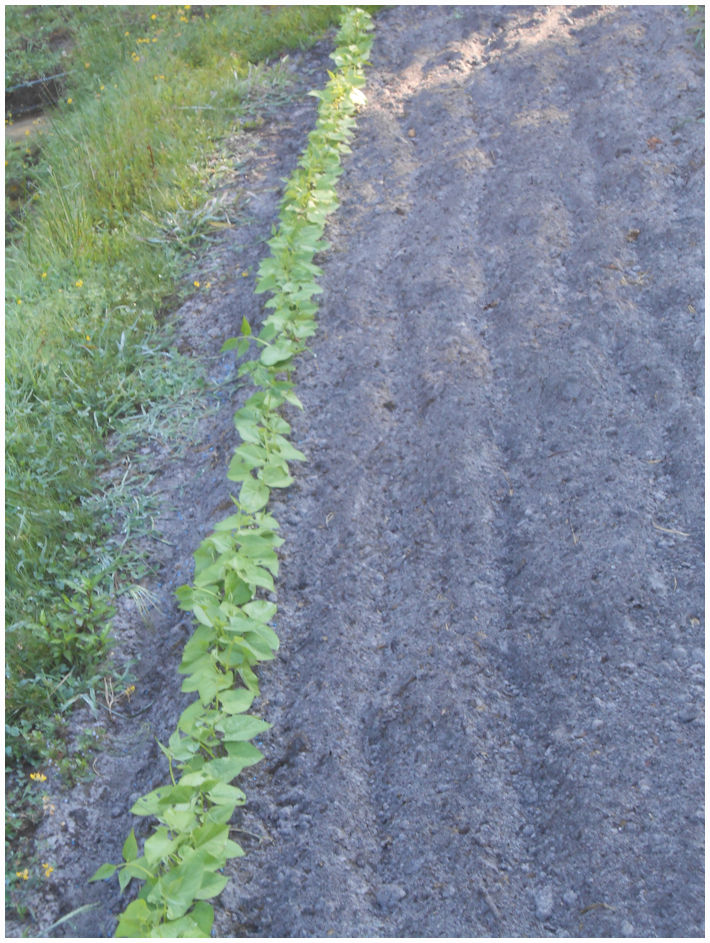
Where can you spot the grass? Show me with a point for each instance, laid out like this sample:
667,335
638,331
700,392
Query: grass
697,14
107,207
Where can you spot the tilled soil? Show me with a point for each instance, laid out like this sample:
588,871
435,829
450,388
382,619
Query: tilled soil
488,703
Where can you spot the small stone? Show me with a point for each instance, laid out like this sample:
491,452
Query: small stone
627,929
544,902
687,714
570,898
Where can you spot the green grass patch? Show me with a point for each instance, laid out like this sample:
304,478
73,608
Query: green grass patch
112,201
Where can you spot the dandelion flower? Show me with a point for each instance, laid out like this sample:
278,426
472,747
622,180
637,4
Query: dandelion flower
47,869
69,101
79,282
154,16
38,777
24,875
44,274
196,284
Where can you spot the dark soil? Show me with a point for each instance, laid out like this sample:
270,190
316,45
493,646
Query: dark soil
488,704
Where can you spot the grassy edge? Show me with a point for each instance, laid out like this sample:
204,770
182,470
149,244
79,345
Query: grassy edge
157,377
182,860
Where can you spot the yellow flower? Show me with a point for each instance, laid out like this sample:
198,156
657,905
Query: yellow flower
25,875
69,101
196,284
245,274
19,301
47,869
88,337
154,16
38,777
86,65
79,282
44,274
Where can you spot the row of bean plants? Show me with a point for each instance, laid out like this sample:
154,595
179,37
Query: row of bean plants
182,861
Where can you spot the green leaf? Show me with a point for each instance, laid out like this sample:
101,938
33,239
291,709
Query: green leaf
233,850
266,634
279,352
203,915
212,885
105,871
136,920
286,450
246,752
159,846
241,727
130,847
179,820
275,476
253,495
255,575
177,888
185,927
236,701
260,609
225,794
162,797
229,345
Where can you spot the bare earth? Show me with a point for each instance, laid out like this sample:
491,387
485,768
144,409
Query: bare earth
488,704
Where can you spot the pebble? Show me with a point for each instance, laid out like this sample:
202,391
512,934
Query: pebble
687,714
627,929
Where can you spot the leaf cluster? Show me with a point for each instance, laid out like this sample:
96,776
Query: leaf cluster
183,859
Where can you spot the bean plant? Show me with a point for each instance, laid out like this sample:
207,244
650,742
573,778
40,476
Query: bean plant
181,863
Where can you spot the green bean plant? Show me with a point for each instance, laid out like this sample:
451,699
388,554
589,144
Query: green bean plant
182,861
